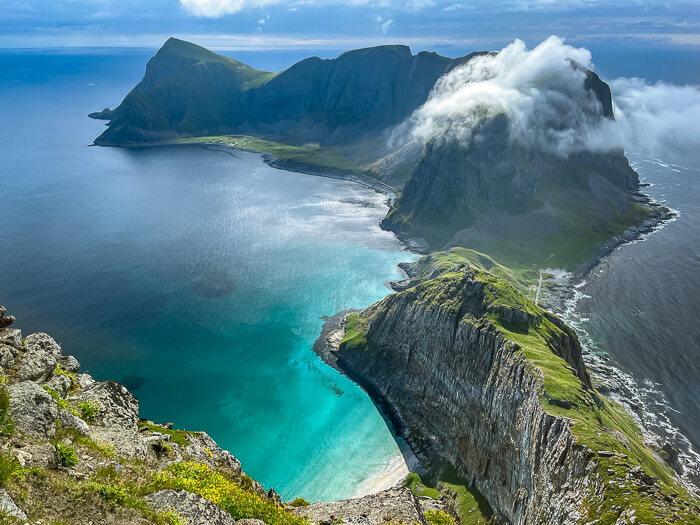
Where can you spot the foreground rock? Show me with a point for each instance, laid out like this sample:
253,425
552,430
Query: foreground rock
75,451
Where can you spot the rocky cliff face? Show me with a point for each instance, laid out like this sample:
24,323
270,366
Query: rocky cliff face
461,194
484,380
74,451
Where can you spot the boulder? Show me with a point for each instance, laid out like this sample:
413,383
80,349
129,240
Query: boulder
116,423
8,508
84,380
69,364
7,356
60,384
68,420
192,508
33,410
36,456
5,321
39,359
11,337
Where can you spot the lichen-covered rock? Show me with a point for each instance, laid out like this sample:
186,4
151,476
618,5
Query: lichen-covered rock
5,321
7,356
59,384
11,337
8,508
69,364
32,410
39,359
397,505
68,420
84,380
193,508
115,419
204,449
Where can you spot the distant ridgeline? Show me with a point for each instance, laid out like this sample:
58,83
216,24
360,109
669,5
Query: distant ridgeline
519,203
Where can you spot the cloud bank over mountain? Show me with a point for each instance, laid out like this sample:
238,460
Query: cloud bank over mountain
541,91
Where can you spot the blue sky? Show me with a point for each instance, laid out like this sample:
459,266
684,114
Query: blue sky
334,24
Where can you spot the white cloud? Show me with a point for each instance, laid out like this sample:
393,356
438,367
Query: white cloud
539,91
386,25
454,7
548,107
656,119
218,8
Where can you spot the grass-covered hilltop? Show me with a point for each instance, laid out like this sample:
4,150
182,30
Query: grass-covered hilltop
500,168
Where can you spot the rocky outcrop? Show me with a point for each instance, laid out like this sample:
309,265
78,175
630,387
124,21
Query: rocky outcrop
480,378
193,508
397,505
75,448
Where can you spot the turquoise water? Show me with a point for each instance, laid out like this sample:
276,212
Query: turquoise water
198,278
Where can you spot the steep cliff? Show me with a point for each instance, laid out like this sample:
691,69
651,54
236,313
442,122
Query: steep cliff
482,379
529,200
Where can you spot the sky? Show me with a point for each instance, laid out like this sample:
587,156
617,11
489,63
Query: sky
334,24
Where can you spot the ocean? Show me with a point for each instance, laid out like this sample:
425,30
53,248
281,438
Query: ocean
199,279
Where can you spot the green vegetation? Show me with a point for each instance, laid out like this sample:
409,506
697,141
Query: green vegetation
66,455
176,436
62,403
336,157
414,482
300,502
219,488
77,438
9,466
91,411
472,507
438,517
6,424
355,329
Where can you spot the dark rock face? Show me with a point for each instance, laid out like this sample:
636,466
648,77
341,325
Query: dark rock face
495,188
188,90
466,395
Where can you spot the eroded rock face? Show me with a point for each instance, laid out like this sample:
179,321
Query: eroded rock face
5,321
116,417
466,395
32,410
397,505
193,508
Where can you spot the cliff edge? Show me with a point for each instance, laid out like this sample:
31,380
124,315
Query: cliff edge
483,380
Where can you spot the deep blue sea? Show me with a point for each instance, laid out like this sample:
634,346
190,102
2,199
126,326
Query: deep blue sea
199,278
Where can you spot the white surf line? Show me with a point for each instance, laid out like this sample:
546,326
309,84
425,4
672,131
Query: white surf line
539,287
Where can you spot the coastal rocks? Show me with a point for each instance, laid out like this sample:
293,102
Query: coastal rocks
8,508
5,321
192,508
11,337
115,414
69,364
33,410
397,505
39,359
